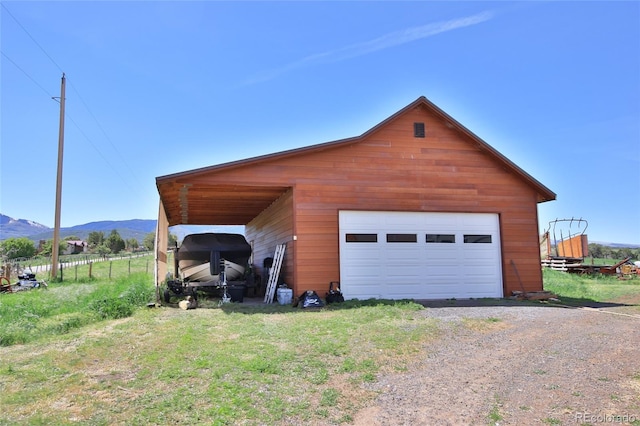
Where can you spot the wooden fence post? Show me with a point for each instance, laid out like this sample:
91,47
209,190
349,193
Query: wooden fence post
90,266
110,264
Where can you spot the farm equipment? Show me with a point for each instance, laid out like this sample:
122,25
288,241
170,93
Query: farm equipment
564,245
569,238
26,281
217,264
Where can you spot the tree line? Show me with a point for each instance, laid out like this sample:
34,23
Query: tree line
598,251
97,243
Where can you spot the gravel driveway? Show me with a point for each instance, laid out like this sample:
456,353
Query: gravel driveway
518,365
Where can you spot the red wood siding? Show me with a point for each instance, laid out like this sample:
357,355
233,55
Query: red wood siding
390,170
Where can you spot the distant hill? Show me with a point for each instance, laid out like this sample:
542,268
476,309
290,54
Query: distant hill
16,228
134,228
617,245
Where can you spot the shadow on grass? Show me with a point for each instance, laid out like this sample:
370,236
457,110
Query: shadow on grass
257,306
561,302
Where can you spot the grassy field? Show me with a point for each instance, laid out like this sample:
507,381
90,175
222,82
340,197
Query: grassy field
81,267
578,289
77,301
62,307
231,365
94,356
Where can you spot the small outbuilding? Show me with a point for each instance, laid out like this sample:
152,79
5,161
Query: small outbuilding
76,247
416,207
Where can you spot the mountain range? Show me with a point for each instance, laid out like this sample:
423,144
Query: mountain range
134,228
17,228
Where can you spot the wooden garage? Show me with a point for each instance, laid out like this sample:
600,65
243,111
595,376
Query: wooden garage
418,206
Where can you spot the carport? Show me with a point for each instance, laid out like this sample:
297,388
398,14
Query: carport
185,200
392,213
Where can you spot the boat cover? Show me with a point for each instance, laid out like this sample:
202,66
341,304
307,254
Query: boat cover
197,249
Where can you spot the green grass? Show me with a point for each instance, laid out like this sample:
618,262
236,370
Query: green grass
76,267
599,261
495,416
90,355
577,289
61,307
229,365
83,351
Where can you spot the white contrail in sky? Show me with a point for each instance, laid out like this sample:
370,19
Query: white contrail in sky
386,41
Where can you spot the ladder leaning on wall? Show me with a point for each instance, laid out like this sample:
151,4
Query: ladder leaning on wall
274,273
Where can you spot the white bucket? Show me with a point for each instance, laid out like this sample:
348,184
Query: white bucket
285,296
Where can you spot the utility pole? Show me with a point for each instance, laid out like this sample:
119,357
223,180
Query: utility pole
56,227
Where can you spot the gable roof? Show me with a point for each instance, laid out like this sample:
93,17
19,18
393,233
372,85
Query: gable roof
174,188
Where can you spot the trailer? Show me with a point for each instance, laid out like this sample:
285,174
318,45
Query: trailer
213,263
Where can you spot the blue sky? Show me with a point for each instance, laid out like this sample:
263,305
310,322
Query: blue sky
155,88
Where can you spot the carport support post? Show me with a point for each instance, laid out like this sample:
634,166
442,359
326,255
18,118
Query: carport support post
161,246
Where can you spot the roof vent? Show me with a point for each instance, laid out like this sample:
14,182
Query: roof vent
418,130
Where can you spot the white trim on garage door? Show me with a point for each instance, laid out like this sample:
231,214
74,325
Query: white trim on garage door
418,255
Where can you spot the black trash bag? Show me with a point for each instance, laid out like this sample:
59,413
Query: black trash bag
334,295
310,299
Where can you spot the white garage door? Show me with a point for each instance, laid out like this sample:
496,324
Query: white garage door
416,255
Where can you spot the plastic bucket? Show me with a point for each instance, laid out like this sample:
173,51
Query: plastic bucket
285,296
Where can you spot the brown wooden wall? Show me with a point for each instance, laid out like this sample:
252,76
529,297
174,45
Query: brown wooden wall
389,170
272,227
577,247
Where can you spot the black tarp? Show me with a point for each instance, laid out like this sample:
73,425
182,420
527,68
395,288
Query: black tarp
212,247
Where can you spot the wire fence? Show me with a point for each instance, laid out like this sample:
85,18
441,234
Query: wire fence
82,266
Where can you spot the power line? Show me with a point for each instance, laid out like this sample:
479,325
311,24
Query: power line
71,119
103,131
27,74
31,37
79,97
99,152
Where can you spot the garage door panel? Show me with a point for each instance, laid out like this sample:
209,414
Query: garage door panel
441,263
402,256
478,254
364,268
363,294
420,255
477,258
480,289
435,256
440,291
406,290
363,250
404,275
440,271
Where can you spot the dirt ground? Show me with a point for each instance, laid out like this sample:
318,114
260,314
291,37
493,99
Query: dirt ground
519,365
